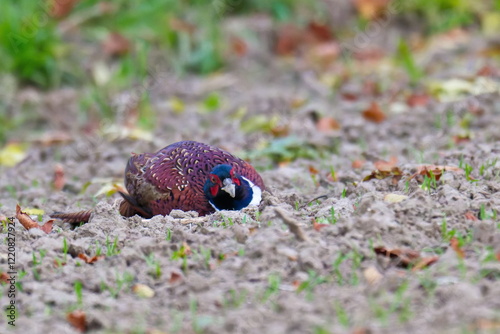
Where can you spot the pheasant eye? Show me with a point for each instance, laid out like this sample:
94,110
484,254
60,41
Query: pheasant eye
213,178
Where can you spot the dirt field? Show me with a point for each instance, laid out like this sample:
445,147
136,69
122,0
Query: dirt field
406,251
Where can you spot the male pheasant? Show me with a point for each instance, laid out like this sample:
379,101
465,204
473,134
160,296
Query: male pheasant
186,175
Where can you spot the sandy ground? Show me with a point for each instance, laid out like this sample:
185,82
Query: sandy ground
269,269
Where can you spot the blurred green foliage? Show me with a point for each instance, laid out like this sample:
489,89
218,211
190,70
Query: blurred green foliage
40,50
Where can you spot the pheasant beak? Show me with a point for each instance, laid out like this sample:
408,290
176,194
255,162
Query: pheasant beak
229,187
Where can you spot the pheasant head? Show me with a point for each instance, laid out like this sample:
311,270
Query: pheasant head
225,189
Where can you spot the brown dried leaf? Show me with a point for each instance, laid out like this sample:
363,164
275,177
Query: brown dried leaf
318,226
313,170
59,179
407,257
386,166
174,277
58,263
436,170
280,130
370,9
238,46
358,163
60,8
288,40
327,124
463,138
349,96
88,259
78,320
470,216
116,45
320,32
4,277
425,262
395,173
456,247
418,99
374,113
485,325
323,54
29,223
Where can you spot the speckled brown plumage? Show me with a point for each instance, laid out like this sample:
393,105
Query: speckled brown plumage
173,178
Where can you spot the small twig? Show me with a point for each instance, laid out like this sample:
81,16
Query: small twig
314,199
292,224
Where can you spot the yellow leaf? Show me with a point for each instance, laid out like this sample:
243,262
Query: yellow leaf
12,154
33,211
491,23
143,291
177,105
110,189
394,198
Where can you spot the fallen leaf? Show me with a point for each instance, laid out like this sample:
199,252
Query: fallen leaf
238,46
313,171
395,173
280,130
498,256
34,211
29,223
456,247
320,32
425,262
327,124
418,99
318,226
116,45
143,290
358,163
394,198
407,257
59,179
464,138
323,54
288,40
60,8
386,166
78,320
174,277
435,170
349,96
490,23
370,9
109,189
88,259
488,71
58,263
4,278
372,275
12,154
374,113
470,216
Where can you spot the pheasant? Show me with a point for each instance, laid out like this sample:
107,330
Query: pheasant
186,175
